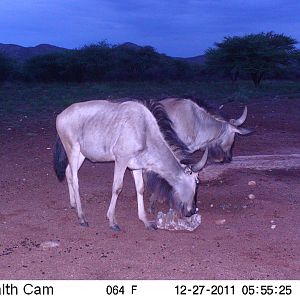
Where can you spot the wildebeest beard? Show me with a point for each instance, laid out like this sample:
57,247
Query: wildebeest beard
159,188
162,191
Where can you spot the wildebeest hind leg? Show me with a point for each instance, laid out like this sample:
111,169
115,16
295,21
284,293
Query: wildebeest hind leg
69,180
75,161
70,186
139,185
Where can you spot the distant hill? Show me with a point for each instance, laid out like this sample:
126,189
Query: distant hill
21,53
130,46
200,59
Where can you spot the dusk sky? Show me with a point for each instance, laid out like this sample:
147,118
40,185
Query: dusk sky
175,27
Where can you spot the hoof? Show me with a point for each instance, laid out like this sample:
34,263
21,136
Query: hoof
115,228
152,226
84,223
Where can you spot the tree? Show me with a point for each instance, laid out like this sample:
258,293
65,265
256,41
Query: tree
45,68
104,62
256,55
6,67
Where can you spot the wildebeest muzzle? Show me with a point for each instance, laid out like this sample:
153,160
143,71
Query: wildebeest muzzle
218,155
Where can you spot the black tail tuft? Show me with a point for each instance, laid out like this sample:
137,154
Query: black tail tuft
60,160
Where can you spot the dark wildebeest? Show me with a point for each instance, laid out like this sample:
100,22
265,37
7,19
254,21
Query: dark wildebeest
128,134
199,129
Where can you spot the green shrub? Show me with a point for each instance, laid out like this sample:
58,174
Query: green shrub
103,62
6,67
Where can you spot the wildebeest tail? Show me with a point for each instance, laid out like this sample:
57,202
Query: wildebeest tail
60,159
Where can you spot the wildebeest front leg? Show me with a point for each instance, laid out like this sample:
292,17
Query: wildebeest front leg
152,201
139,185
119,171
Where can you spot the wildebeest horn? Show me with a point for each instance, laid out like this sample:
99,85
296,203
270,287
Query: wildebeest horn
240,120
199,165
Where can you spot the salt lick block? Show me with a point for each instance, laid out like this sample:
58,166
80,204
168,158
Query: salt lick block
170,221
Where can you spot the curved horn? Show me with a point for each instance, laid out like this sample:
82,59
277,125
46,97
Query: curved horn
240,120
199,165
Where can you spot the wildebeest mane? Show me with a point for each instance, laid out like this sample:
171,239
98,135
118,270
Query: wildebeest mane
209,108
165,124
203,104
213,110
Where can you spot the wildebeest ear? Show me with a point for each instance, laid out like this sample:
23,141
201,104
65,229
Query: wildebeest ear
186,162
244,131
201,163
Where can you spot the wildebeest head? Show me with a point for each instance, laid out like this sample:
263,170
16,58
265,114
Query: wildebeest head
185,193
181,196
220,150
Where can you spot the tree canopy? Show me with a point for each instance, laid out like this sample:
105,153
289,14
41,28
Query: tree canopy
256,55
104,62
6,67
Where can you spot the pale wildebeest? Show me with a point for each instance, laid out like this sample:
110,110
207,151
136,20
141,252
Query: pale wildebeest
199,129
128,134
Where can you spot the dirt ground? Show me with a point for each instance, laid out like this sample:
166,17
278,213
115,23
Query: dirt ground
239,238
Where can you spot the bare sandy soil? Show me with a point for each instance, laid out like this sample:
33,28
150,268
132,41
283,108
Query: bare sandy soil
239,238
